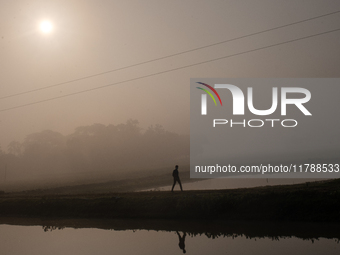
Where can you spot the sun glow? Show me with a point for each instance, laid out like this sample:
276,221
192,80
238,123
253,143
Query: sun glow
46,27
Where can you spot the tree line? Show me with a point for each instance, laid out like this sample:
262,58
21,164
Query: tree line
96,147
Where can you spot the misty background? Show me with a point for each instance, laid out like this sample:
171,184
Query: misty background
91,154
41,136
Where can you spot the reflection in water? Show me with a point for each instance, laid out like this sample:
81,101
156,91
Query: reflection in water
50,228
67,236
181,243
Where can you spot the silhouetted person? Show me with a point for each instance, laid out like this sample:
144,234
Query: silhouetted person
181,243
176,178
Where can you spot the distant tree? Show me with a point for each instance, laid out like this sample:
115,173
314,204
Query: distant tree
45,152
44,142
95,129
14,148
98,147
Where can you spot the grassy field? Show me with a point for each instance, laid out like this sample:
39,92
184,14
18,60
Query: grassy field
316,202
122,182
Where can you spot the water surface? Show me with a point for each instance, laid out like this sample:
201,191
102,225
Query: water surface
238,238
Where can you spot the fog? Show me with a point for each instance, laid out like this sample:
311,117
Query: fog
55,87
91,154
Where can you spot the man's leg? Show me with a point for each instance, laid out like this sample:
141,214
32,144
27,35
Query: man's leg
173,185
180,184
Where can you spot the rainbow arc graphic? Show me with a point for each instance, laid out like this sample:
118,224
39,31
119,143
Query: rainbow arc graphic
209,93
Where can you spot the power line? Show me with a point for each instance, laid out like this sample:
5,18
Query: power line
168,56
171,70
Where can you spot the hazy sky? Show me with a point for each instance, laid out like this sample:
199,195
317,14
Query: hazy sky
90,37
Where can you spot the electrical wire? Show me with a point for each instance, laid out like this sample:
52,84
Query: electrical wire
167,56
171,70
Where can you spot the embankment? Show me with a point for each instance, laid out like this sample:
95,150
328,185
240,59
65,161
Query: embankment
313,202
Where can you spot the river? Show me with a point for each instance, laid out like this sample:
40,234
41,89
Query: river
85,237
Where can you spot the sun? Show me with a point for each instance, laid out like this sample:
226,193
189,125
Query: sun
46,27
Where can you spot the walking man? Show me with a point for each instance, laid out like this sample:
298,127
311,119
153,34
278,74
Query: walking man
176,178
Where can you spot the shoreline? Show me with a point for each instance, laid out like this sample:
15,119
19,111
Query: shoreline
310,202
